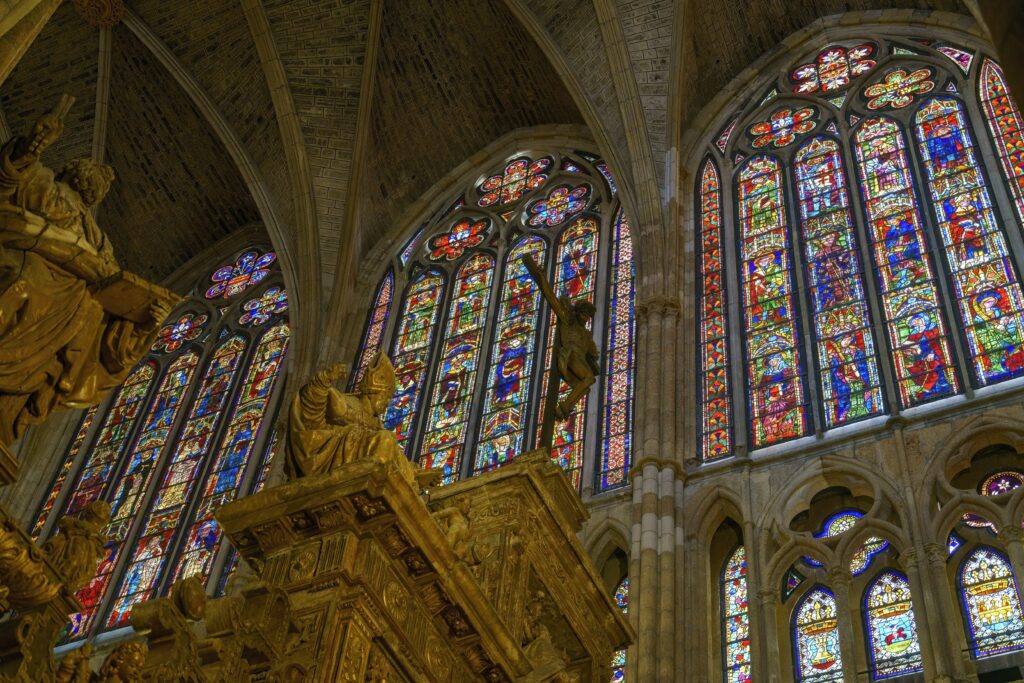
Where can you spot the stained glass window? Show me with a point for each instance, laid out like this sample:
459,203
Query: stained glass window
782,127
470,340
506,399
898,88
125,493
575,278
448,412
833,69
892,629
991,602
250,269
816,637
174,441
962,58
985,280
774,376
561,204
716,406
62,474
373,338
520,176
184,329
181,473
842,522
996,484
258,311
1005,124
619,657
735,618
915,323
413,343
619,363
847,360
790,582
464,234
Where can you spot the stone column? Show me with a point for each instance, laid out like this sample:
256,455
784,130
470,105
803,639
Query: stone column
768,665
933,655
947,632
839,580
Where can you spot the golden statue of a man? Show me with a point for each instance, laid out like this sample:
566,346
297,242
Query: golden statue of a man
328,428
72,323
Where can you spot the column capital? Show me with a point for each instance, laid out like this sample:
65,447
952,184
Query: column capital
658,305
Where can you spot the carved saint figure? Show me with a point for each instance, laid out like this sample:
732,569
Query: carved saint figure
576,354
458,531
328,428
78,547
71,322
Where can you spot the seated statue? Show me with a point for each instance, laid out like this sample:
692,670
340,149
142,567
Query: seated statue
72,323
328,428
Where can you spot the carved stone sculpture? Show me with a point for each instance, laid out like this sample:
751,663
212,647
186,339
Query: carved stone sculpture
328,428
74,668
458,533
72,323
78,545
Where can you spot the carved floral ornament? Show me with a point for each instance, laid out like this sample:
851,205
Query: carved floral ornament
101,13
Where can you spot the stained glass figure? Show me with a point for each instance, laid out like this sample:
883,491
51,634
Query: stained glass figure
603,168
463,235
519,177
619,657
774,378
833,69
783,126
619,363
413,342
506,399
996,484
373,337
412,244
892,630
125,493
223,479
847,358
250,269
259,311
986,284
914,320
898,88
448,410
74,450
816,636
723,138
1005,123
575,278
735,618
186,328
991,602
191,450
790,582
716,405
962,58
561,204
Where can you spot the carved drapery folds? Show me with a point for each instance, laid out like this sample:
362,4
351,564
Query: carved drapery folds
72,323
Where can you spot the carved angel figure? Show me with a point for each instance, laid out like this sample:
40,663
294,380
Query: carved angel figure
328,428
458,532
78,546
72,323
124,664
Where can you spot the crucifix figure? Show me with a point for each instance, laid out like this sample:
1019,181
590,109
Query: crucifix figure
575,358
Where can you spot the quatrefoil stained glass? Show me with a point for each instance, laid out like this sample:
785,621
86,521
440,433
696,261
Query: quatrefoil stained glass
898,88
561,204
519,177
184,329
782,127
259,310
463,235
833,69
250,269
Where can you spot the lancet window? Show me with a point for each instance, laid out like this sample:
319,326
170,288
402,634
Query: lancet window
186,432
471,335
858,242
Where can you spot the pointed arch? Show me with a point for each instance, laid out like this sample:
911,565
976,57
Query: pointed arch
1005,125
891,629
991,603
817,652
735,617
376,323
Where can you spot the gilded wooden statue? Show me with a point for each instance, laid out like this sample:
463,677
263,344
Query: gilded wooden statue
72,323
328,428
